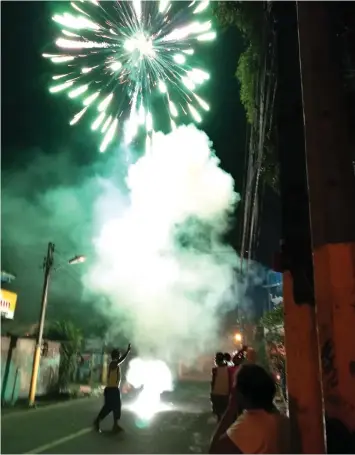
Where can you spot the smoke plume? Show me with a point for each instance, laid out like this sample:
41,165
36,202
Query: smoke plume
161,260
49,197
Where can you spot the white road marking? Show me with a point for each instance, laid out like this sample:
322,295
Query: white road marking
60,441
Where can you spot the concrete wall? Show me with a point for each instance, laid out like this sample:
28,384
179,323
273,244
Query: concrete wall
16,368
90,368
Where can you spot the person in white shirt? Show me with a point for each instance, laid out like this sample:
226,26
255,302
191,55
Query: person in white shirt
228,359
259,427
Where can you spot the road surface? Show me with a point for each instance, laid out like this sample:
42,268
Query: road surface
184,427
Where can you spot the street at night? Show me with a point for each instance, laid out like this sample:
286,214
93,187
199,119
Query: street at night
177,227
185,427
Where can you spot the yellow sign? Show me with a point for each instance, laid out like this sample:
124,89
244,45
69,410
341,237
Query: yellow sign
7,304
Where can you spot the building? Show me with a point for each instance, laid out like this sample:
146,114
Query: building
8,299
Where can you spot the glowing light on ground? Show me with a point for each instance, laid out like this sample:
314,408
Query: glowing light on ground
154,377
148,405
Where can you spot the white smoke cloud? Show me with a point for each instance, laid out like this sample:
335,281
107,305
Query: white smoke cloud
161,260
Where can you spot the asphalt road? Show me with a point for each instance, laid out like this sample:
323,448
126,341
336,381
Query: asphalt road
185,426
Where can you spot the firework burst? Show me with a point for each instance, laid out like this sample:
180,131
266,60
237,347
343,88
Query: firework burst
118,56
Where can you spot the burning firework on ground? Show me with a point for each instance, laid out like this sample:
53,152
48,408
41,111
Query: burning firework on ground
115,57
154,378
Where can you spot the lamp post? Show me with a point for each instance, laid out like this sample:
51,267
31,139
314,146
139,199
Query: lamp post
7,277
48,265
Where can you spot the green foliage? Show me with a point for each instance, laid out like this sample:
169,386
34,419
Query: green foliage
246,73
273,319
248,17
71,339
273,322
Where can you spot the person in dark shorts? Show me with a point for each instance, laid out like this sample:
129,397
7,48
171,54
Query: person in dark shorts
112,393
220,386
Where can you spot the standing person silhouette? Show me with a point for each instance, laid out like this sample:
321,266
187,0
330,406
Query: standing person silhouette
112,393
220,386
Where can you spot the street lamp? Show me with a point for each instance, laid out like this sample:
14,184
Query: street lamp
77,260
48,265
7,277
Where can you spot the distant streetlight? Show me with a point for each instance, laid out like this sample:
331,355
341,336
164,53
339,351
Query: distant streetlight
7,277
48,266
77,260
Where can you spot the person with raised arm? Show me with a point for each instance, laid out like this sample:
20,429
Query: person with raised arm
220,386
112,393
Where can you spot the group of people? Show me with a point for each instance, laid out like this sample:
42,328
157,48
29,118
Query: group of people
223,376
242,397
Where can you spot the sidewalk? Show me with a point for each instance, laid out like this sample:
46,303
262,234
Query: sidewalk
77,393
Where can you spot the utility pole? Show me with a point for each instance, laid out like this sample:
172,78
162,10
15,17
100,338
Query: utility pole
332,204
48,264
301,343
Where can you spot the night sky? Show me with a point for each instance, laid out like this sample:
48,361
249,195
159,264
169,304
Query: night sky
41,152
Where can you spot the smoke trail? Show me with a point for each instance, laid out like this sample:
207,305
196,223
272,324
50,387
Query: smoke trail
162,262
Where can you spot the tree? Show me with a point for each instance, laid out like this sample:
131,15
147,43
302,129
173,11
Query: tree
273,323
248,17
71,339
246,74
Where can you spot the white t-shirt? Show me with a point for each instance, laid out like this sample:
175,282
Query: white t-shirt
258,431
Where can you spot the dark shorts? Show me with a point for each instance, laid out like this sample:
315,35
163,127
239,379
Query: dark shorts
112,396
219,404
